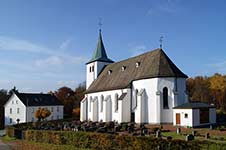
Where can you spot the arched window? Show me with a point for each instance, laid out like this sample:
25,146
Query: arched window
101,103
116,102
165,98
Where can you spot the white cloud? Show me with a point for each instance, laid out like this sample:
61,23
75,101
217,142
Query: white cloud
50,61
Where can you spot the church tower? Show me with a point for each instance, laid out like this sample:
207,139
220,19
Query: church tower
97,63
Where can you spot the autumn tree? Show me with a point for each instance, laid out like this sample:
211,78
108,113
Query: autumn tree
76,113
42,113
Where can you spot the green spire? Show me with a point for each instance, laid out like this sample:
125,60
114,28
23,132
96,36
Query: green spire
100,53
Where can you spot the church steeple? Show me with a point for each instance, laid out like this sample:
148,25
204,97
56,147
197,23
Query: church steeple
100,52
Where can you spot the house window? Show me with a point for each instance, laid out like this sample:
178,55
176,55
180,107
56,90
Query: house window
12,102
58,117
165,98
101,103
52,118
18,110
33,110
10,111
10,120
186,115
16,102
32,119
116,102
137,64
51,109
57,108
204,115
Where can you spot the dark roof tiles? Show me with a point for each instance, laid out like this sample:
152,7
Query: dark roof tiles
31,99
152,64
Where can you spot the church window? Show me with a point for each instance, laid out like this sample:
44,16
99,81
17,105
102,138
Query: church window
10,110
186,115
92,68
137,64
101,103
165,98
10,120
116,102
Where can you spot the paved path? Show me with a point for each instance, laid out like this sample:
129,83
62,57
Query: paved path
4,146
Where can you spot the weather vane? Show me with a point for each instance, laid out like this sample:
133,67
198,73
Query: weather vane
100,23
161,40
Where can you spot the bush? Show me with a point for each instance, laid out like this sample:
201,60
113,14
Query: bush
104,141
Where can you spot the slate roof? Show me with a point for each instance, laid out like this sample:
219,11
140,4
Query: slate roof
100,53
31,99
151,64
194,105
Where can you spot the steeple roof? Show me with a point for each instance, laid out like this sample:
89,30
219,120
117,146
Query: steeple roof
100,53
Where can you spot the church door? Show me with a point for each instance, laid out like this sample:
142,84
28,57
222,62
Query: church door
178,118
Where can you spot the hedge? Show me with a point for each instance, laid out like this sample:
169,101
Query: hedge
106,141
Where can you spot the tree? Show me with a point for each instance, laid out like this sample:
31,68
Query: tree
76,112
42,113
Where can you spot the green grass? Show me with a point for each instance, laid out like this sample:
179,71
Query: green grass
44,146
174,135
7,138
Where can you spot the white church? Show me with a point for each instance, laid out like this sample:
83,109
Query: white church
148,88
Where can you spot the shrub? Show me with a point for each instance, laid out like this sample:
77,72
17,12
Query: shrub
105,141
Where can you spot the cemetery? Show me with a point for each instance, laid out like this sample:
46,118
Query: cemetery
119,135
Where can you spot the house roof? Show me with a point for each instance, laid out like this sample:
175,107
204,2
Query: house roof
31,99
100,53
120,74
194,105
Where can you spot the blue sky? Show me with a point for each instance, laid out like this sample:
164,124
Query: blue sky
44,44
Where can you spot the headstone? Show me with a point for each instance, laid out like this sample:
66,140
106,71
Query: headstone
194,133
211,127
207,135
189,137
158,134
178,130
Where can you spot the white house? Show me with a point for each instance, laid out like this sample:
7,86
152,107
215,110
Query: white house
22,106
194,114
143,89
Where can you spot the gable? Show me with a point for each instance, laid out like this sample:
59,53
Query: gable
14,98
119,75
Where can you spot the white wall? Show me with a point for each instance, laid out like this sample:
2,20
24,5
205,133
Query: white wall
14,103
91,76
26,114
109,113
183,121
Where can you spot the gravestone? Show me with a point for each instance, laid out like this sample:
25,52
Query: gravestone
207,135
194,133
189,137
178,130
158,134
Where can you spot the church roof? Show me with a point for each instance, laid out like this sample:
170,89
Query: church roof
120,74
100,53
194,105
38,99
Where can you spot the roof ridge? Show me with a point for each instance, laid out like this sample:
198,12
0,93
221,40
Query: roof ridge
151,51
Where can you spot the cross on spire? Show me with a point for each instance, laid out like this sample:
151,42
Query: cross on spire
161,40
100,24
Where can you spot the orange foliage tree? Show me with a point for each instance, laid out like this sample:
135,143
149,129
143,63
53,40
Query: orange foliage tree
42,113
76,112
